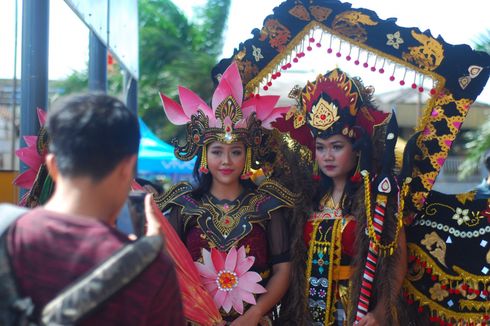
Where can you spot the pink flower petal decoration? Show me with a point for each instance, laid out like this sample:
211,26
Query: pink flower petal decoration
175,113
229,84
228,278
191,103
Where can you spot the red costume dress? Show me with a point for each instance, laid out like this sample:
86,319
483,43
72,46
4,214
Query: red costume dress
254,220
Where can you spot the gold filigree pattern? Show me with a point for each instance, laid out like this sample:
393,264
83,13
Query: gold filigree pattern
427,56
323,115
466,196
278,34
350,24
436,246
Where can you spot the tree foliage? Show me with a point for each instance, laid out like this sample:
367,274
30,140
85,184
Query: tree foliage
175,51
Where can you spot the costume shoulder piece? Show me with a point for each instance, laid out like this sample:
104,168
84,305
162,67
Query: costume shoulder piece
278,193
173,195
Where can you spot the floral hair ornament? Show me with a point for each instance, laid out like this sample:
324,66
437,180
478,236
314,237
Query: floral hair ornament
228,279
230,119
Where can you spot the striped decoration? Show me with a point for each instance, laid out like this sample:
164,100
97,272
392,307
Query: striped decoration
372,259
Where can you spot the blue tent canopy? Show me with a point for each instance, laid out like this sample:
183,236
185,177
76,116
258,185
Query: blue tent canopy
157,157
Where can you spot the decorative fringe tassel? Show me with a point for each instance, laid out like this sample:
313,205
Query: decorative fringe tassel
247,173
203,168
316,173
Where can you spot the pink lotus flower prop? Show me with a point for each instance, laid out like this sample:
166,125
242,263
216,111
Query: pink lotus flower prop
228,279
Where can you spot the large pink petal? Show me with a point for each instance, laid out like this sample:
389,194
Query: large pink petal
26,179
257,288
237,301
243,265
218,259
220,297
264,106
241,253
231,260
206,271
248,107
41,116
247,296
174,111
225,298
229,84
30,157
251,277
30,140
191,103
273,116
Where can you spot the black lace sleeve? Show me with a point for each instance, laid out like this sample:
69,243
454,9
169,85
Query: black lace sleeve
175,219
278,236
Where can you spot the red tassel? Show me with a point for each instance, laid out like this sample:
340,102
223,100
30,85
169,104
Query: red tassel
356,178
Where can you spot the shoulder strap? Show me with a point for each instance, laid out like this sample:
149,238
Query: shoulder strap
9,214
81,297
9,295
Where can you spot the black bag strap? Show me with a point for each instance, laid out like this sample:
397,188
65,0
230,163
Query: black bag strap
84,295
9,296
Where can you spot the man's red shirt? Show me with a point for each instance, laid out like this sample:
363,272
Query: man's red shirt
49,251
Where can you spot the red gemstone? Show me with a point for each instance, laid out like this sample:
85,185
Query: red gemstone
330,50
373,69
338,54
365,65
392,78
381,71
402,82
348,58
432,91
318,45
323,117
295,60
309,48
356,62
265,88
421,89
312,39
269,83
414,86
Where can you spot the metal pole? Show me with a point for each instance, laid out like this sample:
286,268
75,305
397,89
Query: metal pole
14,90
132,94
34,71
97,64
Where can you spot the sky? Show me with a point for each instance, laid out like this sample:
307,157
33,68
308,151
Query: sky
458,22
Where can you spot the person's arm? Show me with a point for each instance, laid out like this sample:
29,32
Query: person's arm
278,238
276,288
377,315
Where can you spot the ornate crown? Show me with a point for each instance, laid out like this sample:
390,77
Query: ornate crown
333,104
228,120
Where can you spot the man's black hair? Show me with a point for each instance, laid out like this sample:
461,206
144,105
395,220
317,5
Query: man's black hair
90,134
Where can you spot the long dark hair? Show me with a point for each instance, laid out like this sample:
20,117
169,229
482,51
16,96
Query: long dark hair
205,180
325,184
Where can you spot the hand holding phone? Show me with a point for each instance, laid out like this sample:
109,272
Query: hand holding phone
136,207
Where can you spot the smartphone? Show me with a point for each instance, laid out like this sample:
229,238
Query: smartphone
132,219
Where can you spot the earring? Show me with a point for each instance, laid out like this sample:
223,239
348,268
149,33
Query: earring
248,165
203,167
316,173
356,177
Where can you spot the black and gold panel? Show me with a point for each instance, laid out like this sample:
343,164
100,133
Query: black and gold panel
449,259
453,75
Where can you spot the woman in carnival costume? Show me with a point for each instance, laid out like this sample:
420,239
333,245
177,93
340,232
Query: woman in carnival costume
236,232
344,282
